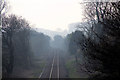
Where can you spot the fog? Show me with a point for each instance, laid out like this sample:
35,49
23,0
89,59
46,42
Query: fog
88,48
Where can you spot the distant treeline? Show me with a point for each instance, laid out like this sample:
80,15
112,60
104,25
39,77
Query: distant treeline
40,43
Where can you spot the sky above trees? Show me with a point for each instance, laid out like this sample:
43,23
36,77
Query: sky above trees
53,15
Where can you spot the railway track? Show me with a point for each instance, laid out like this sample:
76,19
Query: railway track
51,69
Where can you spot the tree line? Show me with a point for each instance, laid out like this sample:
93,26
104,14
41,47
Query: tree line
18,41
99,40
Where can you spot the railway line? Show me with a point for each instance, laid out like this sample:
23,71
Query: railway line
52,67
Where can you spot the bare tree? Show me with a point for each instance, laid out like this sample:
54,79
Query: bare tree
14,27
101,46
3,9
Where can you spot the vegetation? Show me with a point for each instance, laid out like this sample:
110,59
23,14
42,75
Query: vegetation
100,44
18,39
96,45
15,35
72,42
40,43
72,70
100,41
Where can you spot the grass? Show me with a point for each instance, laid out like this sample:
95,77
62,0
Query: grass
73,68
38,67
72,71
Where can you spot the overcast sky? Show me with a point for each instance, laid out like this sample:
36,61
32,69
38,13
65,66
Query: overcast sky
54,15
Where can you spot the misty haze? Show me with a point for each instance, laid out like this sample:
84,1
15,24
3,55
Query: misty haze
59,39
